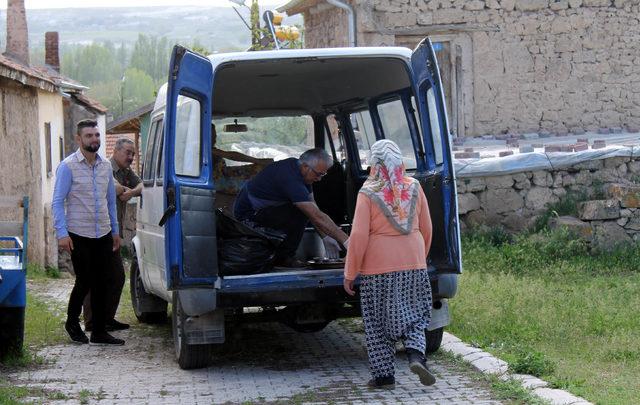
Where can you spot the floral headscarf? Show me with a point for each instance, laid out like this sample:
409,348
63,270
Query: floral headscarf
388,187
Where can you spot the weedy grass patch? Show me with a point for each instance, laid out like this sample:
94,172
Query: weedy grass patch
549,307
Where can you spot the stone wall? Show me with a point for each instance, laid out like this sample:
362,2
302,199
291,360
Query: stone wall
534,65
609,215
20,165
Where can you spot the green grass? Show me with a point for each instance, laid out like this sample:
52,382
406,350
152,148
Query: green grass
548,308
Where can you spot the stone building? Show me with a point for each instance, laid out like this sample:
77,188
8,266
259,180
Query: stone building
508,66
37,107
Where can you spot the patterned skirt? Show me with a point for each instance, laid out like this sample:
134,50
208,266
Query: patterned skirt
395,306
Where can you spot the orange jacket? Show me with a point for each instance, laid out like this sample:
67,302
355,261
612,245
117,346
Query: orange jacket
376,247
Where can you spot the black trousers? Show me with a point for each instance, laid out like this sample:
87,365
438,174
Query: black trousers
91,258
114,287
286,218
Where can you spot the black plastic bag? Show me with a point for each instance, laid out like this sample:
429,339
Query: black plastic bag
244,249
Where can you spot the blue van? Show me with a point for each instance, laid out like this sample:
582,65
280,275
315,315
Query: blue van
276,104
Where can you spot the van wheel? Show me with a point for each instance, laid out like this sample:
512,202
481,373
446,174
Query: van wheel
434,339
188,356
11,330
142,301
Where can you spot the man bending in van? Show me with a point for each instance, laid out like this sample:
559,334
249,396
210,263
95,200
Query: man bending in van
281,197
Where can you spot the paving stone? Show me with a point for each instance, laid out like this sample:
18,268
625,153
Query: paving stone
328,366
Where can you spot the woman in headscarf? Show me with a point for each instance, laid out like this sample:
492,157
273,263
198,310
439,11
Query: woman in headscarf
388,247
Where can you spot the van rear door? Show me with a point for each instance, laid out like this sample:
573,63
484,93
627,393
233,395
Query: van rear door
189,217
435,130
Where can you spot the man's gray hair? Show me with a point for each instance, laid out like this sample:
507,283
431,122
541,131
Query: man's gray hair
315,155
121,141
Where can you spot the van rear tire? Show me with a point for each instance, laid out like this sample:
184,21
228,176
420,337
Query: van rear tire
141,299
434,339
188,356
11,331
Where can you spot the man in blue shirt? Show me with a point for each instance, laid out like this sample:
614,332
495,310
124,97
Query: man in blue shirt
281,197
84,212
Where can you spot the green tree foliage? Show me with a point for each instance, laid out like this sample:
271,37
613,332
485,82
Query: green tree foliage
138,89
92,64
122,79
151,55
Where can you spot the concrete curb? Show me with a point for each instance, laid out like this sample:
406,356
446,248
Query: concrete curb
487,364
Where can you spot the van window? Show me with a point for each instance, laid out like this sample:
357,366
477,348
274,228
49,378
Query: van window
396,128
436,134
160,142
188,142
334,134
276,138
365,135
149,161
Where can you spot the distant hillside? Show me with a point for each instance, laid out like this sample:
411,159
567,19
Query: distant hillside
215,28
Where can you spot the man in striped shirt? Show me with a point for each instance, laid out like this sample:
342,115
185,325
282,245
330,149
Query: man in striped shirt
84,212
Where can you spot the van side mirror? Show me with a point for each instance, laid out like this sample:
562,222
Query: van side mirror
235,127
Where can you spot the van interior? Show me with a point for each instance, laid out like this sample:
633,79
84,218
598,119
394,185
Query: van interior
278,108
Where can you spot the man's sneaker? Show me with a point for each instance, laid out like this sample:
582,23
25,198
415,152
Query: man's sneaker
103,339
75,332
387,383
115,325
418,365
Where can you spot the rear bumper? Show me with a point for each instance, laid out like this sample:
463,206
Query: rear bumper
305,287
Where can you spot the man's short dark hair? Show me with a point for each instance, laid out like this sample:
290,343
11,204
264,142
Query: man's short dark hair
88,123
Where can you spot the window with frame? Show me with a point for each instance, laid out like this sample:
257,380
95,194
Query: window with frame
434,123
365,135
48,148
149,163
396,128
188,137
160,174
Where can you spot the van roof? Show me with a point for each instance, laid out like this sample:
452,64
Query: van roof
383,51
352,54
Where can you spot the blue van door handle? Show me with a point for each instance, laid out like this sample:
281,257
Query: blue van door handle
171,206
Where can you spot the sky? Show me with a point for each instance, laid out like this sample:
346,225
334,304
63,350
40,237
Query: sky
33,4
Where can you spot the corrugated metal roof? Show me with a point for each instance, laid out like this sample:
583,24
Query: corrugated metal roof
124,124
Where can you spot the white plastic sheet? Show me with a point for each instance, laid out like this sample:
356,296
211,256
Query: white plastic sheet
533,161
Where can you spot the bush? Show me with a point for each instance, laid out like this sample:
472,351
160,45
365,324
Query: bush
495,236
568,205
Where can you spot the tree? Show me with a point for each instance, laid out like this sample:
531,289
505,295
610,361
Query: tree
91,64
138,89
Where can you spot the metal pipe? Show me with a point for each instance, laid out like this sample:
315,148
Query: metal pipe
353,41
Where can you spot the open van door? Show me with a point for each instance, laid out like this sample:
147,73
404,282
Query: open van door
435,130
189,217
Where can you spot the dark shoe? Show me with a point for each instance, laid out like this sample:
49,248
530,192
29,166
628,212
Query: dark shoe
387,383
418,365
289,262
75,332
103,339
115,325
109,327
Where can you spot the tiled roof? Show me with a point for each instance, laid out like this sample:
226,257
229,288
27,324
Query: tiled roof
24,74
89,102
